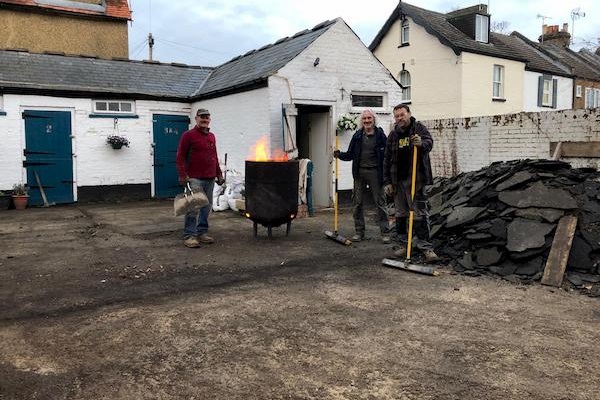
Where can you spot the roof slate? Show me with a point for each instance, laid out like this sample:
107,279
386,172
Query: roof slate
437,24
114,8
257,65
22,70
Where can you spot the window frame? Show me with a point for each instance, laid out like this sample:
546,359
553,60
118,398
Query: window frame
578,91
499,83
108,110
405,98
589,97
359,108
482,35
404,32
547,89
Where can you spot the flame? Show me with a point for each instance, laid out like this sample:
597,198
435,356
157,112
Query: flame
260,152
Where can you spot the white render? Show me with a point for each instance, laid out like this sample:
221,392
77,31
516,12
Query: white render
564,94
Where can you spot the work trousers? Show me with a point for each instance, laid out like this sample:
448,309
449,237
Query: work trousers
368,177
421,223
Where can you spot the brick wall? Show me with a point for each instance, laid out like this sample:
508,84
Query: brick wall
468,144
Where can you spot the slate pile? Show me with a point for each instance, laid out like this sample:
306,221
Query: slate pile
502,218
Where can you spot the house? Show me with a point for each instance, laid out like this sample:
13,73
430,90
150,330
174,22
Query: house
584,66
86,27
57,111
451,65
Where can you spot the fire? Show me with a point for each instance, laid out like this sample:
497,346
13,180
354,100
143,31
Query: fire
260,152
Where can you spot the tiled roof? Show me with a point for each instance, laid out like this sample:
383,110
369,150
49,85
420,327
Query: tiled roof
537,60
591,57
257,65
437,24
114,8
22,71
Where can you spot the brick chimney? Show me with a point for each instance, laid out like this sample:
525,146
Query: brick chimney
551,34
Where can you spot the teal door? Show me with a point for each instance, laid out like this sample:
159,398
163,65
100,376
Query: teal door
167,130
48,156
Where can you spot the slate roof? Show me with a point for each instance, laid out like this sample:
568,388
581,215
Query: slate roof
114,8
30,72
256,66
590,57
537,60
437,24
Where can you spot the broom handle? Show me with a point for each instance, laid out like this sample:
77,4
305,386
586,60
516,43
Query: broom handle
335,208
412,202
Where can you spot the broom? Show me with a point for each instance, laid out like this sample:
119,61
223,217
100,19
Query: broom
335,236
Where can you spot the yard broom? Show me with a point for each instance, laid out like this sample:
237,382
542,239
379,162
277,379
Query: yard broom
335,236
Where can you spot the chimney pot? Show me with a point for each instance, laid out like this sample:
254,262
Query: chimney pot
565,27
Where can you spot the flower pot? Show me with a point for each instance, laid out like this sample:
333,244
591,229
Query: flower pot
20,201
116,146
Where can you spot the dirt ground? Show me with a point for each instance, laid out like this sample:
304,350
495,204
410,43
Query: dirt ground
102,301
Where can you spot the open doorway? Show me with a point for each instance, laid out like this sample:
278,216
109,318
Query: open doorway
313,138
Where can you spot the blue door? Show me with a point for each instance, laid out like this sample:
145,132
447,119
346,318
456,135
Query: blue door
167,130
48,156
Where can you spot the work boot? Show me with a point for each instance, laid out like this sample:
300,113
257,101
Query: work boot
204,238
430,256
357,237
401,252
191,242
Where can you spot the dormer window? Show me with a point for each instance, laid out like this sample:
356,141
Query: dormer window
482,28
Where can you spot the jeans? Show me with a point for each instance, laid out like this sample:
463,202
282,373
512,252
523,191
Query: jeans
196,222
421,222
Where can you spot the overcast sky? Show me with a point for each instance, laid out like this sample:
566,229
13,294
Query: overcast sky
212,32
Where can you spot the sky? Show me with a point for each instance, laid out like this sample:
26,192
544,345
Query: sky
212,32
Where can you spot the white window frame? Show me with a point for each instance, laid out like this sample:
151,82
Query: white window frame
578,91
596,98
589,97
110,107
404,79
404,32
482,28
498,82
1,102
358,109
547,91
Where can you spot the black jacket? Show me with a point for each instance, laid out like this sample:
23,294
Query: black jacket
390,163
355,150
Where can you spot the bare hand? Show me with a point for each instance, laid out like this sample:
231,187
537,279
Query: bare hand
388,190
416,140
336,153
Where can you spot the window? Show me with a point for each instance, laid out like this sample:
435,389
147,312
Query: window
405,82
578,91
113,107
498,82
2,105
547,88
482,27
592,98
597,98
367,100
404,33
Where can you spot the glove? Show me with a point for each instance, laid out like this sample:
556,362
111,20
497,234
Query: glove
388,190
336,153
184,181
415,140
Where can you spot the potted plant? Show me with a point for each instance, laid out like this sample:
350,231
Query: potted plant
117,141
346,123
20,197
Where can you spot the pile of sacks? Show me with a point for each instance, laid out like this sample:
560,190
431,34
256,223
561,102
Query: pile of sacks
225,196
502,218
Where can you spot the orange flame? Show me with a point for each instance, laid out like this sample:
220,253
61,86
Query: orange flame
260,152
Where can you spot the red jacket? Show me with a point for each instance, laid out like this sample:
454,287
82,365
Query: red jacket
197,155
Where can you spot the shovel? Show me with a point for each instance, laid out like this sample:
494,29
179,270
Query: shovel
334,235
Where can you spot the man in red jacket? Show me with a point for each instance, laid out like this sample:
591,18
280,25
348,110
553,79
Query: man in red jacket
198,165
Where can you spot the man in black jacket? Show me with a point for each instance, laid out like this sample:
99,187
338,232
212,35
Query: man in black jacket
397,177
366,151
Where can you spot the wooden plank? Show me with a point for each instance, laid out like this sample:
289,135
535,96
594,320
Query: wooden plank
559,253
577,149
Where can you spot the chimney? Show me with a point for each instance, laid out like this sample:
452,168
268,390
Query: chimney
553,35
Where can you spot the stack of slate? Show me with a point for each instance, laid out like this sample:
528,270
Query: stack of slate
502,219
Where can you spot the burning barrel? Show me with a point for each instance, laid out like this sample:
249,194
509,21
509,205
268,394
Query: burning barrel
271,193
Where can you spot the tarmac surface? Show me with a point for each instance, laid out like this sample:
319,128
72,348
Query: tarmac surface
103,301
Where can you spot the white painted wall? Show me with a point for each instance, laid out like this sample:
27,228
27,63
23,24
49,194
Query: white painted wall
564,94
345,66
468,144
435,71
94,161
238,122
